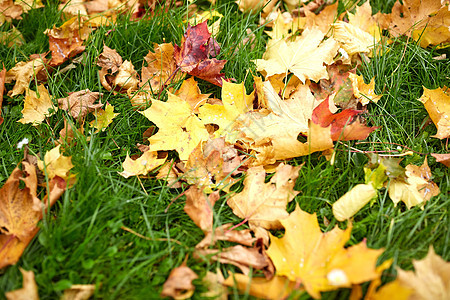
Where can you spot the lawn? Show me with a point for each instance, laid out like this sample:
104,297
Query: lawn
125,235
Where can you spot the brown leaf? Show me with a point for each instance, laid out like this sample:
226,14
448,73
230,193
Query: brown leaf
109,59
199,207
29,291
80,103
239,256
179,284
442,158
79,292
222,233
10,10
2,90
264,204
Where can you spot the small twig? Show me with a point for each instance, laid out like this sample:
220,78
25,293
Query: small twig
147,238
173,200
237,225
395,144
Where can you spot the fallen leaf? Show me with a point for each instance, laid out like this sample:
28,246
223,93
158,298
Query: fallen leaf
193,57
318,261
141,166
279,287
103,117
10,10
199,207
23,73
364,92
29,291
254,6
213,282
56,164
353,39
80,103
235,102
160,67
242,257
391,290
190,92
352,201
2,90
431,278
345,126
79,292
12,37
323,19
179,284
223,233
37,106
442,158
264,204
179,128
437,104
67,41
416,188
304,57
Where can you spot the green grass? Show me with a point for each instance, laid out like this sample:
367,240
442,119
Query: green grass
81,240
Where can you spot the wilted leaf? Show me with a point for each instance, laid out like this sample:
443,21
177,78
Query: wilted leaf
103,117
79,292
80,103
179,128
437,103
431,279
22,73
352,201
199,207
56,164
29,291
10,10
193,57
264,204
223,233
304,57
179,284
319,260
37,106
345,126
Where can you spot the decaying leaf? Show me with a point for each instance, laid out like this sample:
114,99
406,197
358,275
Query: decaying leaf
29,291
437,103
416,188
352,201
56,164
304,57
193,57
80,103
37,106
160,66
199,207
148,161
431,278
79,292
103,117
318,261
179,284
23,73
179,128
264,204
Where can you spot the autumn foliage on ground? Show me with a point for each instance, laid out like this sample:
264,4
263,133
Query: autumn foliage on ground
238,144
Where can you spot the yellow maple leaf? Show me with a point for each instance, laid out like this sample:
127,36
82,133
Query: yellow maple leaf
235,103
431,279
437,103
56,164
264,204
353,39
318,261
364,92
142,165
36,108
304,57
22,73
103,117
179,128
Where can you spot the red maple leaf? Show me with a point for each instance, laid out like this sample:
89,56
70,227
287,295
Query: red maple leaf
345,126
193,57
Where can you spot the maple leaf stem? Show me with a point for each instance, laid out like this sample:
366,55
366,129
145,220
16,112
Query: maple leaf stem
237,225
12,236
167,80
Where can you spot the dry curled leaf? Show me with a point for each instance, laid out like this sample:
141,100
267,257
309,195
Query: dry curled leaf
79,292
199,207
179,284
29,291
23,73
80,103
